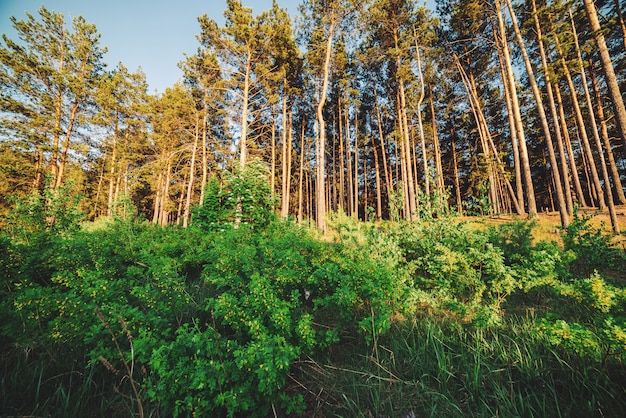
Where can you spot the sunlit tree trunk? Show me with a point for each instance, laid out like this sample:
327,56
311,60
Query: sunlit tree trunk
594,128
379,200
564,210
542,115
342,180
355,205
519,189
404,129
619,189
66,146
457,184
512,88
568,147
113,163
320,213
157,199
192,172
205,157
284,211
348,158
164,216
586,148
437,151
381,139
607,65
419,121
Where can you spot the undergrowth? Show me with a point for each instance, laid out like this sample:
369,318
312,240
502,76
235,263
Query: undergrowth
245,315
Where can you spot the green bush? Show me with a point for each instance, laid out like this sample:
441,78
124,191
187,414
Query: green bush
592,247
241,197
457,269
215,319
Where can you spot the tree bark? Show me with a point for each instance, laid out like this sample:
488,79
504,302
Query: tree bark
244,112
379,201
523,148
560,177
542,115
607,65
457,185
355,206
192,172
440,186
320,208
594,127
581,126
404,129
617,182
568,147
419,122
284,210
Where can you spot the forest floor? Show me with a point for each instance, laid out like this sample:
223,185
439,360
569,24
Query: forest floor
549,223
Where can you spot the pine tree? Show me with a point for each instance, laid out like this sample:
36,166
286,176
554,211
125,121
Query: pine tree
48,79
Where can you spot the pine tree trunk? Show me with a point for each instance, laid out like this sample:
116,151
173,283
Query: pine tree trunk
66,146
457,184
289,155
525,161
244,112
273,155
617,182
157,200
379,201
192,172
284,210
594,128
419,123
348,158
163,217
205,158
564,209
568,147
381,138
542,115
112,174
355,212
320,207
342,180
402,113
439,184
301,177
607,65
481,125
586,148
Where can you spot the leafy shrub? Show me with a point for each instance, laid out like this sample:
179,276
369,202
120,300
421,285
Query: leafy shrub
213,318
589,319
592,247
271,296
43,215
457,269
514,239
243,197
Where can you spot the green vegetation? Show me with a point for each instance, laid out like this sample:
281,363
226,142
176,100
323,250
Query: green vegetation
242,314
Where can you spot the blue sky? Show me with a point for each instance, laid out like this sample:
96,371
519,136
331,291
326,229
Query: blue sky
151,34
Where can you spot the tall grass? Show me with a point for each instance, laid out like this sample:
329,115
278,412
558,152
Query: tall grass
39,385
435,368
